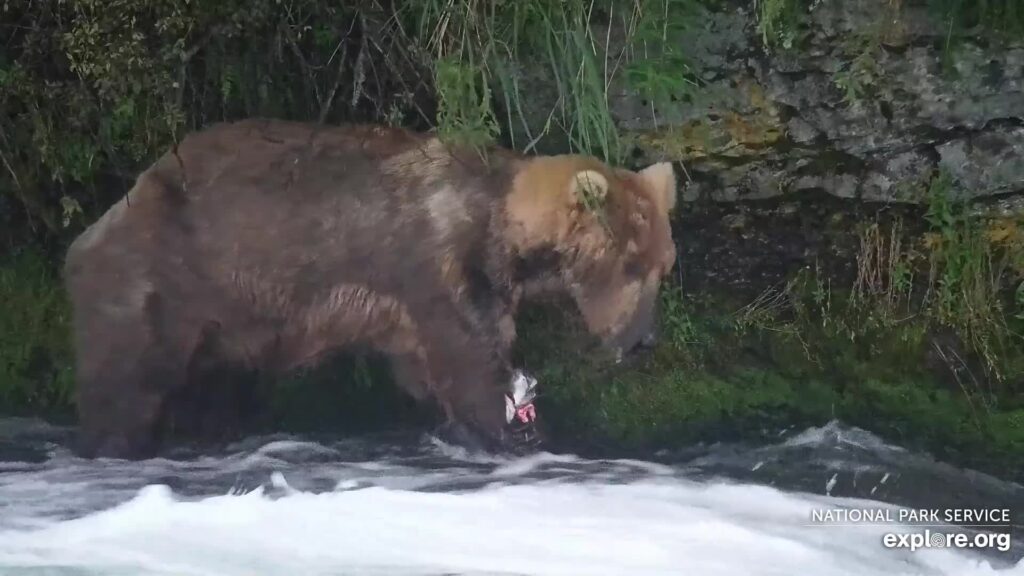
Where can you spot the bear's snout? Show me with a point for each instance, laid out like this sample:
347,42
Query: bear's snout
641,330
650,340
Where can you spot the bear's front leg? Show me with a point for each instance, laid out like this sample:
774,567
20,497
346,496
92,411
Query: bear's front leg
123,386
468,369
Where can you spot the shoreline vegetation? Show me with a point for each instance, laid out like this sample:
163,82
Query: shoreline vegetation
904,319
892,338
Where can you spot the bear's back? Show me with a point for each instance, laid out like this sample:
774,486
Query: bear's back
302,206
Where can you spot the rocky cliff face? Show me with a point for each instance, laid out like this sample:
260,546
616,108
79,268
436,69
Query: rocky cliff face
868,102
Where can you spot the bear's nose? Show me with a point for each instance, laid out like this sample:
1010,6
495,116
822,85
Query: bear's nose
650,340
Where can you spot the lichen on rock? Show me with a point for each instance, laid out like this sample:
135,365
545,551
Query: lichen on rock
868,99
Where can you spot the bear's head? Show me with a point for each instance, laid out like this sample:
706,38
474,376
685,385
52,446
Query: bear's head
601,233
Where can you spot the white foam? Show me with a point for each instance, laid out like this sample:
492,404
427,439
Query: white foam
655,526
836,433
527,464
445,510
461,453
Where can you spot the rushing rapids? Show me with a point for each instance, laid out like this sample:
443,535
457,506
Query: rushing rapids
407,504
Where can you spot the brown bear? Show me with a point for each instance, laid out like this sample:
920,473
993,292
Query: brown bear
263,245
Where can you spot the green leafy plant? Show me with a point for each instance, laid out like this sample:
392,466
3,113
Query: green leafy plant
36,369
857,79
778,21
968,275
677,323
464,112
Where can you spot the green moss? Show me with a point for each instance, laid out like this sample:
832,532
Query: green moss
36,372
1007,433
916,413
672,406
671,396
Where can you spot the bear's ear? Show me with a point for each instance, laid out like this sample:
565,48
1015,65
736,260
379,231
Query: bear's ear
662,180
589,188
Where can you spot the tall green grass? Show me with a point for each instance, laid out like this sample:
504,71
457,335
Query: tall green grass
36,371
971,278
583,50
92,90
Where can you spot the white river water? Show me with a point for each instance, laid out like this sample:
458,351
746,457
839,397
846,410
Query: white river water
410,505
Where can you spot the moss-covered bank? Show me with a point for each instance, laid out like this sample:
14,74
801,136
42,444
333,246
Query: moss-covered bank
751,386
906,321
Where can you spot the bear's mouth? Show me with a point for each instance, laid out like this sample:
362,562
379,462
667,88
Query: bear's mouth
520,412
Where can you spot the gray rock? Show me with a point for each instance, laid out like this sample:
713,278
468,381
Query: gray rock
841,185
800,131
900,177
846,112
991,161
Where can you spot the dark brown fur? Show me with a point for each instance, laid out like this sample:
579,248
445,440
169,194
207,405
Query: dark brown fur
264,245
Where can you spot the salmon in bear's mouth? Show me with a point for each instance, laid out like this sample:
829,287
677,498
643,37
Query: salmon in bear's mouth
520,413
